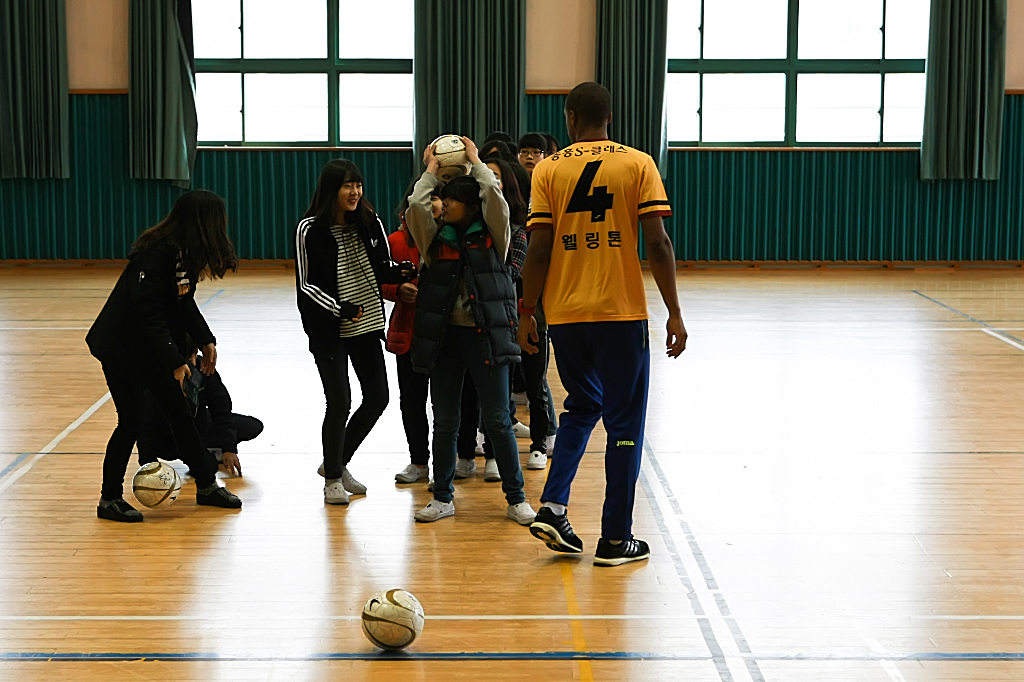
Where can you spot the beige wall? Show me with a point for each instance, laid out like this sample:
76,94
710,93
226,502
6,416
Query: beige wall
97,44
559,43
1015,45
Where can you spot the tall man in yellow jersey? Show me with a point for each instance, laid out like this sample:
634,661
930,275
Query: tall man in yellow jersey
587,204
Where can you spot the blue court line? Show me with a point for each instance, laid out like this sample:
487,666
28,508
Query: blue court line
504,656
210,300
968,317
13,465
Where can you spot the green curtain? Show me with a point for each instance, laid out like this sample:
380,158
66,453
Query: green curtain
33,90
631,62
963,112
469,70
162,118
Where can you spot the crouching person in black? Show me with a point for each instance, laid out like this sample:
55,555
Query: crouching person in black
139,337
220,429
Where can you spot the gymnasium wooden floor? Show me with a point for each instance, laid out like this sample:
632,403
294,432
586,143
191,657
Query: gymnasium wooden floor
833,490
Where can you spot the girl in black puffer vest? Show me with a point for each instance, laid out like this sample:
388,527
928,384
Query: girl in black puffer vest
466,322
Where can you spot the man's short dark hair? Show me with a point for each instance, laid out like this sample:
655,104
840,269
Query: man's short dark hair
533,141
591,102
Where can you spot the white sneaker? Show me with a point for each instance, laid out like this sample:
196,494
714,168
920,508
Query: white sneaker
538,460
519,398
491,471
435,510
320,471
521,430
411,474
465,468
430,485
334,492
549,444
521,513
353,486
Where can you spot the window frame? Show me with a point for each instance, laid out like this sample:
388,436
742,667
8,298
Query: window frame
332,65
792,67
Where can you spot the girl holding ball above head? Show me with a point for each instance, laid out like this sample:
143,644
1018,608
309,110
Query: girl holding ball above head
341,259
139,337
466,321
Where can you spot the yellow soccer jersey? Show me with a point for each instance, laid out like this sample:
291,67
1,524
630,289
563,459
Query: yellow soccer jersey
593,194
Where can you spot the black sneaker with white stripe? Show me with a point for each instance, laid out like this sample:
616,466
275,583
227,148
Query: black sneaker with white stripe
609,554
555,531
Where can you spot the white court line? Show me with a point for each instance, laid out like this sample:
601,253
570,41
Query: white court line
996,335
30,462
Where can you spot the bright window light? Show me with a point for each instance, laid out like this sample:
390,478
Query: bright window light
906,29
683,29
215,31
745,29
840,29
837,107
285,30
744,107
286,107
682,102
375,107
219,106
394,42
904,107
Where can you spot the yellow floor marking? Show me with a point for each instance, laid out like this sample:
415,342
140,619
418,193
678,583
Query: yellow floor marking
578,641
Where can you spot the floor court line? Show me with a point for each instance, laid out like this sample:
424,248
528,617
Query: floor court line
988,329
524,617
5,484
44,656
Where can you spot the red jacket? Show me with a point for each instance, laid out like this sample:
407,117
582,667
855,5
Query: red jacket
399,337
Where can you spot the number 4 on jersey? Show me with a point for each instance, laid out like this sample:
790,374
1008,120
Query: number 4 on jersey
582,200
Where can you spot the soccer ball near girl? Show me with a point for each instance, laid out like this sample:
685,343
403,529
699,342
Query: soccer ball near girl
450,152
392,619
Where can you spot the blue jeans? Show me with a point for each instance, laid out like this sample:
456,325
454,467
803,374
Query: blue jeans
460,352
605,369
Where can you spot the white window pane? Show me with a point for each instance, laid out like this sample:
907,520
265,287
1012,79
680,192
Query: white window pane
375,107
393,42
744,107
286,107
683,29
840,29
682,101
219,106
285,30
906,29
837,107
904,107
215,29
745,29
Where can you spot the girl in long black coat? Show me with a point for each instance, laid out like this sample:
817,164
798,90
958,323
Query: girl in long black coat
139,337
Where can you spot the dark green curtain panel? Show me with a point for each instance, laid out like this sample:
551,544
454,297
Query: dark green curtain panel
162,118
963,112
33,90
631,62
469,70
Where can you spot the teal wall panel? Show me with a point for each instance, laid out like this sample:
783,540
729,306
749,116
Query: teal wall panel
99,211
544,115
736,205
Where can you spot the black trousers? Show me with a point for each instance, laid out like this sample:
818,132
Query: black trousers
246,428
413,390
341,435
535,367
128,391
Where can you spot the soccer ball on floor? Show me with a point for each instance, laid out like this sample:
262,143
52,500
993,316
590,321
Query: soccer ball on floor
156,484
450,152
392,619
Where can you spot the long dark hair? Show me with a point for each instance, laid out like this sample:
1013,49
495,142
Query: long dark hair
197,225
510,188
336,173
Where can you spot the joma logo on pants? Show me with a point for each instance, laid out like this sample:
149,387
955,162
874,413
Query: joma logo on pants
620,443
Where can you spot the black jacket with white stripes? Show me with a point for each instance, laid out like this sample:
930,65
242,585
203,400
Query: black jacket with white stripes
316,279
